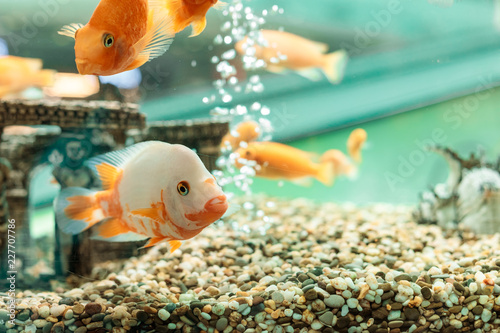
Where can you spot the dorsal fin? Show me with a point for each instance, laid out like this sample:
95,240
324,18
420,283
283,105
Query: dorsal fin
70,30
106,165
108,175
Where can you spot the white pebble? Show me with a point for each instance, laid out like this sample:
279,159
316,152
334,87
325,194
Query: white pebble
233,305
57,310
350,283
44,311
479,276
163,314
316,324
473,287
486,315
483,299
339,283
456,323
372,281
352,303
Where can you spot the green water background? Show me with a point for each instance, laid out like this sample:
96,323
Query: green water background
396,166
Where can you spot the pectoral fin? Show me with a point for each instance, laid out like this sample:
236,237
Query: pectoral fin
159,36
153,241
198,26
138,62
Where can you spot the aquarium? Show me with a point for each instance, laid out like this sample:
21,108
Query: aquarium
249,166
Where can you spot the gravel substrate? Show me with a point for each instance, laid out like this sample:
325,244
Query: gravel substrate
318,268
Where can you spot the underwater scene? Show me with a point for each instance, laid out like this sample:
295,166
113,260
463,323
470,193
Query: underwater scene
249,166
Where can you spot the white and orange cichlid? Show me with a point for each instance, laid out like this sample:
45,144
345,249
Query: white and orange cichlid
355,143
18,74
246,131
150,190
190,12
121,35
288,51
278,161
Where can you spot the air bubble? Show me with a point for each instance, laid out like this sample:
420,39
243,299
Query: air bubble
241,110
227,98
193,63
256,106
254,79
228,40
229,55
218,40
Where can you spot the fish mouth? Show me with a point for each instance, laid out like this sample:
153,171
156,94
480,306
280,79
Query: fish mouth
83,66
213,210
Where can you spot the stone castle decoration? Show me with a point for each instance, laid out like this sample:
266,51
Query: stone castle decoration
78,130
470,198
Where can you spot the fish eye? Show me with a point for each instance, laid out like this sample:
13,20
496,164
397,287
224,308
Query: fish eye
183,188
108,40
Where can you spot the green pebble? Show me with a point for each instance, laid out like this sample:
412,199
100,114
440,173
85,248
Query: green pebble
218,309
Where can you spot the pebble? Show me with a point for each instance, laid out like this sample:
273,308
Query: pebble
278,297
92,308
311,295
335,301
347,272
5,316
326,318
221,324
486,315
218,309
233,305
57,310
339,283
352,303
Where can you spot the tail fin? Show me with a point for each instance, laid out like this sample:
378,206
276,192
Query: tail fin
45,78
334,66
77,210
325,173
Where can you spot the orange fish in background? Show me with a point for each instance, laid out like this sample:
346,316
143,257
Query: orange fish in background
150,190
279,161
121,35
246,131
190,12
18,74
286,51
355,144
340,162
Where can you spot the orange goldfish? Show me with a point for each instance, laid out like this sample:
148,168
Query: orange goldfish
18,74
246,131
189,12
288,51
341,164
121,35
151,190
355,144
276,160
